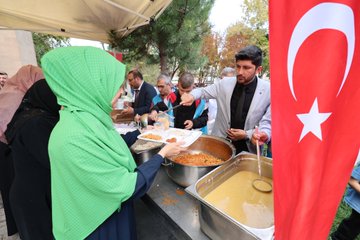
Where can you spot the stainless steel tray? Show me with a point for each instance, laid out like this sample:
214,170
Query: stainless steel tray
217,224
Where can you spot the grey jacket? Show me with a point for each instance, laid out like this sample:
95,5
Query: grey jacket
259,112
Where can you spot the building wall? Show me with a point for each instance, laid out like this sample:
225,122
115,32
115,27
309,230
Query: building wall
16,50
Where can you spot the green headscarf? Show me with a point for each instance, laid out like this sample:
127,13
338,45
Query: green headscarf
92,170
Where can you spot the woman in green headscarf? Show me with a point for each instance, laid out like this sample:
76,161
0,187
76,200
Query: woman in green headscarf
93,175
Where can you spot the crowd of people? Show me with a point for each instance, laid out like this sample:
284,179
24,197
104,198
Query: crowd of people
65,171
235,116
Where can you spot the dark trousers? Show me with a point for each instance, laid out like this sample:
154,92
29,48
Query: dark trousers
349,228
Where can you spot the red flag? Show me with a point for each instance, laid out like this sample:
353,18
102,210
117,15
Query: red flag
117,55
315,87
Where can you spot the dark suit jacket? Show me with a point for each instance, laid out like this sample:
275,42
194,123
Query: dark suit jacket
146,94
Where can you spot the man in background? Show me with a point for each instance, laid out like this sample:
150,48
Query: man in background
243,102
189,117
3,78
161,101
142,96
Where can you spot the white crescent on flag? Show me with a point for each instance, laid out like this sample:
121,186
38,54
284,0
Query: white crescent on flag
334,16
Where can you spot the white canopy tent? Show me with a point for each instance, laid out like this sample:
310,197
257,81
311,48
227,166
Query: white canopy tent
86,19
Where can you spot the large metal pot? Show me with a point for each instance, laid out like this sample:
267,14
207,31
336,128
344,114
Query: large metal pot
143,155
215,222
185,175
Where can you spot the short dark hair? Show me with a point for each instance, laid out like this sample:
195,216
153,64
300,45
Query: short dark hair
3,73
252,53
186,80
136,73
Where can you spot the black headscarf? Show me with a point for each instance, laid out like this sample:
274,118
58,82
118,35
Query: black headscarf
39,100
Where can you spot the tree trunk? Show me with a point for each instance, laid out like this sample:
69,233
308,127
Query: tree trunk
174,71
163,59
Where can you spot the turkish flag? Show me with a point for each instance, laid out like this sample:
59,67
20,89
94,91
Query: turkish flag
315,98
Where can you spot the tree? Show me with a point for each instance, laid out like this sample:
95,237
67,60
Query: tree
253,29
237,37
174,40
210,50
256,14
257,19
45,42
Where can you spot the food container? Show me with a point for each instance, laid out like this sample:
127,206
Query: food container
117,117
185,175
143,150
216,223
119,104
166,120
188,137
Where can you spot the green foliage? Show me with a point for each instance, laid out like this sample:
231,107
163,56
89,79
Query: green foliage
343,212
252,30
174,40
256,13
45,42
149,71
256,19
210,51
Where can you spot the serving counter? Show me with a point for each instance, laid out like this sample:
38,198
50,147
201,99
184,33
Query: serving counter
179,209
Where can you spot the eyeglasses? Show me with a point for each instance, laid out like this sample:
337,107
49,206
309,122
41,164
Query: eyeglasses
130,79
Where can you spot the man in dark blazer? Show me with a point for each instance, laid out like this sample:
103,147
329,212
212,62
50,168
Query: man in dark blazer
142,96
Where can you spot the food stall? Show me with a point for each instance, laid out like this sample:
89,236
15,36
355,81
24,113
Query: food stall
180,199
192,217
167,195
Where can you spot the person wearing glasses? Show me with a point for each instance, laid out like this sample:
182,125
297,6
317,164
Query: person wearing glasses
161,101
143,94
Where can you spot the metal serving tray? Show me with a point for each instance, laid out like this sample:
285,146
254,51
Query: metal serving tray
216,224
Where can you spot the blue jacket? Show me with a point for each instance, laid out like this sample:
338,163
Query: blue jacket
199,115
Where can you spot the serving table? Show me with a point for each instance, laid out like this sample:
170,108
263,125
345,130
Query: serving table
180,210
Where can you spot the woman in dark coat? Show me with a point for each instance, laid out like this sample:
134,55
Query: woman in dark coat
11,96
28,135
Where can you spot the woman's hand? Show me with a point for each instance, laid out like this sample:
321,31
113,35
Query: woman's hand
172,149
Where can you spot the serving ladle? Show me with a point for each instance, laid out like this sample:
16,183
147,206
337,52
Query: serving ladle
260,183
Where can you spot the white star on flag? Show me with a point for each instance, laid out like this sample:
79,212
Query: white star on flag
312,121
